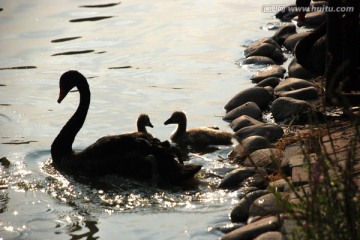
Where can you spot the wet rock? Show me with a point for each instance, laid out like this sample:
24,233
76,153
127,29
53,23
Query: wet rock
243,121
264,206
249,145
258,95
257,180
272,132
240,212
285,107
5,162
285,31
235,178
258,60
242,192
293,39
263,158
292,84
295,70
272,235
250,109
271,71
254,229
308,93
266,50
269,40
226,228
270,81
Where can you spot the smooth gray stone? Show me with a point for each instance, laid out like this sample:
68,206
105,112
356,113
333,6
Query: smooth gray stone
292,84
243,121
271,71
291,41
254,229
270,81
265,49
314,19
249,145
242,192
258,60
295,70
272,235
308,93
280,185
264,206
285,107
263,158
240,212
283,32
235,178
272,132
269,40
250,109
258,95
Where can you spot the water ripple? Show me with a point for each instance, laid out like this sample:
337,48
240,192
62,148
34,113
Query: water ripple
90,19
100,5
64,39
73,52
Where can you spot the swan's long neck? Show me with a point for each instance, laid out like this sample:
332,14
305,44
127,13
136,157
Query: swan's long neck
141,127
180,130
62,145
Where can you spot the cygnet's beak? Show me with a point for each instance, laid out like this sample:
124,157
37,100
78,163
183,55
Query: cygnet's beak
62,95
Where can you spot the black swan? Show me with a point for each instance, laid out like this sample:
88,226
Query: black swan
125,154
198,137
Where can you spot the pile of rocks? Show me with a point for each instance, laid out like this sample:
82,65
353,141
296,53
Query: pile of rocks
291,99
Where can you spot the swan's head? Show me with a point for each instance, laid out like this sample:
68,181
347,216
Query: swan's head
144,120
68,81
176,118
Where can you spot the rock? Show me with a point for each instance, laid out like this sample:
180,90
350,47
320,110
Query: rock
285,107
295,70
235,178
249,145
285,31
280,185
266,50
258,95
271,71
250,109
269,40
243,121
227,228
272,132
272,235
264,206
242,192
270,81
263,158
258,60
254,229
291,41
292,84
314,19
240,212
308,93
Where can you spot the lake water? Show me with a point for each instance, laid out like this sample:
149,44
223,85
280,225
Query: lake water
150,57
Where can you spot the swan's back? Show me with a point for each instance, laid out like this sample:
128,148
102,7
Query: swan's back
206,136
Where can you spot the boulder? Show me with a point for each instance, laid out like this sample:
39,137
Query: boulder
258,95
272,132
291,41
263,158
292,84
295,70
265,205
271,71
249,109
236,177
243,121
283,32
270,81
249,145
265,49
258,60
308,93
285,107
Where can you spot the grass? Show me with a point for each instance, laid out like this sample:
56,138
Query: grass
328,206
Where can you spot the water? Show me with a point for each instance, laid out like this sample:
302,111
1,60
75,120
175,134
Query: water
153,57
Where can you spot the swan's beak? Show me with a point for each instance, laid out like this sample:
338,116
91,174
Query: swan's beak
150,125
169,121
62,95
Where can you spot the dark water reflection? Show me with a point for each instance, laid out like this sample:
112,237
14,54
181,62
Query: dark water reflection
139,57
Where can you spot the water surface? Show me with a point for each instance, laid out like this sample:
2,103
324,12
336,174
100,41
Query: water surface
139,57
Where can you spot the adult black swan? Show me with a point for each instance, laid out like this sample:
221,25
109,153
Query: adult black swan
125,154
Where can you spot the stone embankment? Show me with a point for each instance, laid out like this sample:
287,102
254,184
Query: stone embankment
271,153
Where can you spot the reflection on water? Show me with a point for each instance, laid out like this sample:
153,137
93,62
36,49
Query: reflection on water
139,57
